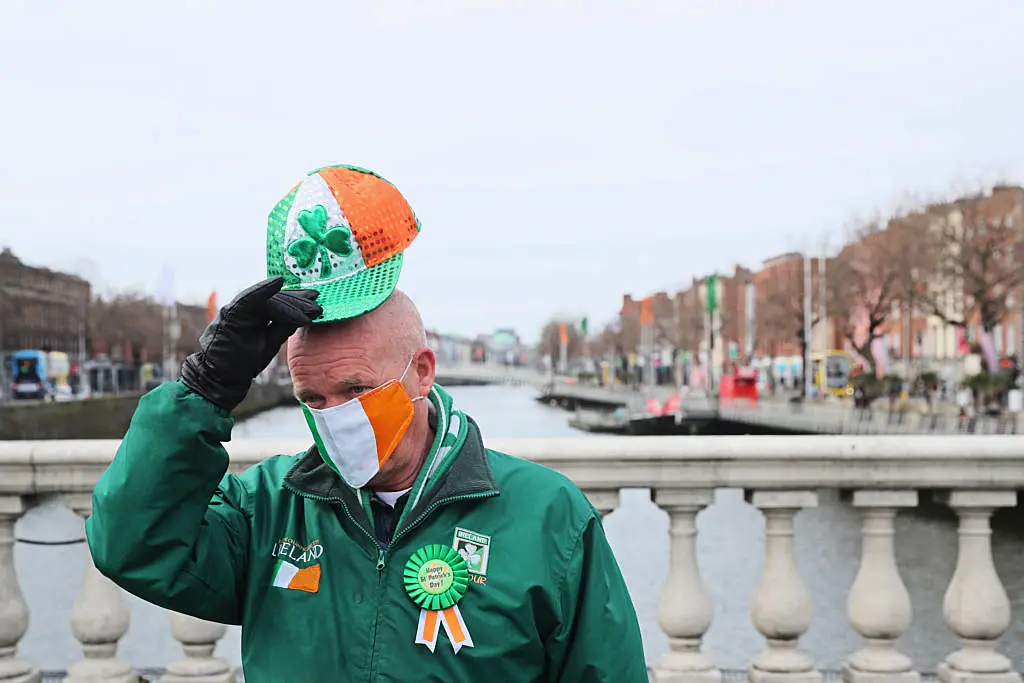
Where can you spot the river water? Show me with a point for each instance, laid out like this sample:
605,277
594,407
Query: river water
730,547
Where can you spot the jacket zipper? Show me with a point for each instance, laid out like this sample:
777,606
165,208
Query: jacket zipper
382,556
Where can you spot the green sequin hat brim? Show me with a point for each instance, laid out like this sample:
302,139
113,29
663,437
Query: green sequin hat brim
359,293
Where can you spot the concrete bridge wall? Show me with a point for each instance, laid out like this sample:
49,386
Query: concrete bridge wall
106,417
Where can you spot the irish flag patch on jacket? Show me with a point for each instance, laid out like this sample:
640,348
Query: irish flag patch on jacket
287,575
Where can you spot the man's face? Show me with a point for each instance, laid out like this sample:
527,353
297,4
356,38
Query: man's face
330,368
333,366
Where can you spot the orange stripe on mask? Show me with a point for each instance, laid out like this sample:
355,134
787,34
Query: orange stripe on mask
387,410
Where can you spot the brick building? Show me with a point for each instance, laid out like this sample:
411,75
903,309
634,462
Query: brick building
779,307
778,297
680,321
733,318
41,308
984,291
662,320
986,264
1002,211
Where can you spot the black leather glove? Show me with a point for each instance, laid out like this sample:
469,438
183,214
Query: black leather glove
244,337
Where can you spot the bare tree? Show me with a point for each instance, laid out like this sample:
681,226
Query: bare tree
688,329
779,316
878,268
663,320
976,244
605,343
551,343
134,323
130,322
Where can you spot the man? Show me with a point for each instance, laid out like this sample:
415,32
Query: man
397,548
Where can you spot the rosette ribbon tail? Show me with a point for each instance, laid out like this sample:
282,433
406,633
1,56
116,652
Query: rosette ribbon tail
454,625
426,631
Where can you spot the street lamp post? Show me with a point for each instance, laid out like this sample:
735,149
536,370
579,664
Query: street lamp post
808,379
822,293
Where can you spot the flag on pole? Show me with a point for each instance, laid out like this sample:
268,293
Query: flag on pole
583,326
211,306
711,295
563,334
646,317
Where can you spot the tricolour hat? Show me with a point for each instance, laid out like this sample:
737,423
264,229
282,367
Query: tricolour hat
342,231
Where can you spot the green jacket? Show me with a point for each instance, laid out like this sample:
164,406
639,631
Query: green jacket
551,604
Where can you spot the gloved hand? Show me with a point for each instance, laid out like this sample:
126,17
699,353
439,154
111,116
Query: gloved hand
244,337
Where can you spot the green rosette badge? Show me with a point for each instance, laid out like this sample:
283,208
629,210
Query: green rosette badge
436,577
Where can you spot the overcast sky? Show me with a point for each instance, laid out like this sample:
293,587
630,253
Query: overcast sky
557,153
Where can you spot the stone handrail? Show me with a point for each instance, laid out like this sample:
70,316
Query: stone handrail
974,475
841,418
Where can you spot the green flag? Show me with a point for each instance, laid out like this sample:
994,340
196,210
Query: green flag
583,325
712,298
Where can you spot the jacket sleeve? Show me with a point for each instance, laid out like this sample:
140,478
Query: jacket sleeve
598,640
167,525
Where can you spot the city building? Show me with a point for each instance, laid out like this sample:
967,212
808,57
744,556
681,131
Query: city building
926,288
779,307
41,308
975,247
450,349
504,347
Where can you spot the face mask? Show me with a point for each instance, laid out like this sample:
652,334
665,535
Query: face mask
357,437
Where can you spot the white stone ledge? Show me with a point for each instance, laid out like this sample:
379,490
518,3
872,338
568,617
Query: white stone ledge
612,462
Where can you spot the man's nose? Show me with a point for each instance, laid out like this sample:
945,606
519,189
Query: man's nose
333,401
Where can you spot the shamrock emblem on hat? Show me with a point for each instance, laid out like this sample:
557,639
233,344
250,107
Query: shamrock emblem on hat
319,240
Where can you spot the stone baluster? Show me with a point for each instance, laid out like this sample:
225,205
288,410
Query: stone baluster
198,639
685,610
976,606
604,500
99,619
781,607
878,605
13,609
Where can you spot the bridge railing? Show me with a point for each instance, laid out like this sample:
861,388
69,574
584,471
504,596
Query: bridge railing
780,477
843,418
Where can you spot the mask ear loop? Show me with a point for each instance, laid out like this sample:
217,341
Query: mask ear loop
418,398
406,371
442,424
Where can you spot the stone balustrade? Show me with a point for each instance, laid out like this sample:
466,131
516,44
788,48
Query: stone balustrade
781,476
828,417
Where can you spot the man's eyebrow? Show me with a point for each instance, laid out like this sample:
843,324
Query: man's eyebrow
344,383
351,381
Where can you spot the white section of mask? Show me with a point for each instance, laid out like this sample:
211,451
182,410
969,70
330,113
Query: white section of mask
348,438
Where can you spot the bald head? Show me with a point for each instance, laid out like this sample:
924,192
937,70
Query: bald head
394,325
332,362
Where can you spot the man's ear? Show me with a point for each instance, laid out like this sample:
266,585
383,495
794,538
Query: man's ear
425,364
